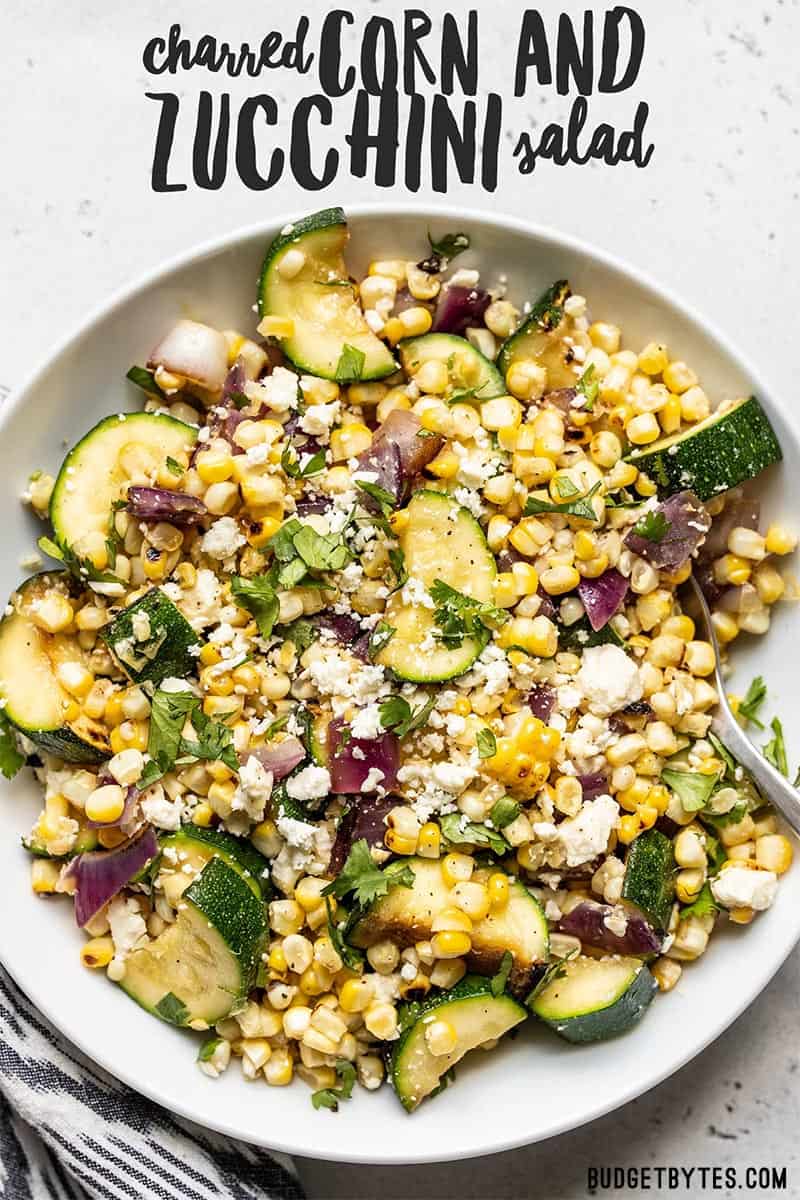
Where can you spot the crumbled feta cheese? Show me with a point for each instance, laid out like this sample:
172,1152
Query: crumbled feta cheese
279,390
252,793
468,498
743,887
298,834
367,723
319,419
453,776
455,725
490,672
309,784
373,778
126,924
222,539
159,810
609,679
586,835
415,593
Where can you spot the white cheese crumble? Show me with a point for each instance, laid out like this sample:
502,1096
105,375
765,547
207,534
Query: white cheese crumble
415,593
609,679
127,926
367,723
309,784
319,419
742,887
586,835
222,539
373,778
160,811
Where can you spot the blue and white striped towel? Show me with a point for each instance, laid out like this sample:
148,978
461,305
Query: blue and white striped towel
68,1131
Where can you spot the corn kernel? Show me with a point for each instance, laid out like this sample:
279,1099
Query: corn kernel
498,889
451,944
774,853
457,868
45,873
440,1037
350,441
780,540
97,952
451,920
429,841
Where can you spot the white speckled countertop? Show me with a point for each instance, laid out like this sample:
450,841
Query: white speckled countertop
714,216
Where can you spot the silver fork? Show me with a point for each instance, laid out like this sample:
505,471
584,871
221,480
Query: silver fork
768,780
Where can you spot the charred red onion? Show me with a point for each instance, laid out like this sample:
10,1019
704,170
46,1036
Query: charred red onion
589,921
101,874
160,504
459,308
366,818
353,761
684,521
603,597
279,758
195,351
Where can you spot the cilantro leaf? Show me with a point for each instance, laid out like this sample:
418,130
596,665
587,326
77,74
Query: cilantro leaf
168,713
444,251
208,1048
259,597
382,634
498,982
174,467
397,561
214,741
486,743
367,882
725,755
330,1097
144,379
291,464
82,569
301,632
396,714
571,508
553,972
652,526
350,956
350,366
692,789
11,761
276,726
775,750
458,616
321,551
385,500
703,906
456,830
504,811
588,386
755,697
565,487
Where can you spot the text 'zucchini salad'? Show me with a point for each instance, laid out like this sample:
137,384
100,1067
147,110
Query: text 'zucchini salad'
367,715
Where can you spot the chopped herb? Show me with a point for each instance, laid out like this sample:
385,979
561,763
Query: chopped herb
385,500
652,526
298,548
214,744
578,636
504,812
11,761
572,508
208,1049
458,831
444,1083
444,251
692,789
321,551
470,396
553,972
168,714
174,467
291,464
397,561
350,956
301,632
626,500
498,982
486,743
276,726
330,1097
565,487
381,636
172,1009
82,569
367,882
258,596
587,385
725,755
755,697
715,853
775,749
350,366
397,715
703,906
239,400
146,380
113,539
458,616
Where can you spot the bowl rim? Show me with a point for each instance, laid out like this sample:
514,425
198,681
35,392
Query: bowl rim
755,981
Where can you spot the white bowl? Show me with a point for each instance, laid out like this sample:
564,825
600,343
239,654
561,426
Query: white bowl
536,1085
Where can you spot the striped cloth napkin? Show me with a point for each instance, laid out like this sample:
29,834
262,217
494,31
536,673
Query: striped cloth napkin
69,1131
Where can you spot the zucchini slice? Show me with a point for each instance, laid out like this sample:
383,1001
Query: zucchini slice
591,999
477,1017
321,301
151,639
541,337
469,370
649,877
405,915
36,704
201,968
197,845
717,454
443,541
92,478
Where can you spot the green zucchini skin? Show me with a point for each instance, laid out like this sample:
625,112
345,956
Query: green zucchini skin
440,347
596,1024
714,456
545,317
649,877
168,651
326,218
238,853
227,900
478,1016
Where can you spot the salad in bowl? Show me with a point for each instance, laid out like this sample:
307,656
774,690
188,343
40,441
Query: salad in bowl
368,717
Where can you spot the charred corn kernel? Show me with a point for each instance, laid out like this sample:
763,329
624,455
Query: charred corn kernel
780,540
699,658
395,398
689,884
277,327
279,1069
97,952
732,569
113,714
154,563
381,1021
653,359
678,377
498,890
129,733
247,677
75,679
501,318
432,377
628,828
451,919
633,797
505,592
526,578
622,475
774,853
53,613
209,655
445,465
736,834
44,876
666,973
500,489
266,839
549,445
654,608
435,416
202,814
350,441
680,626
440,1037
356,995
593,568
472,899
106,803
556,581
526,380
259,531
277,961
537,635
626,749
223,708
316,978
398,843
299,952
503,412
414,322
769,584
451,944
648,815
725,626
383,956
457,868
429,841
214,466
642,429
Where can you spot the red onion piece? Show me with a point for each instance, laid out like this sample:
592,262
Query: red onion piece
347,631
279,758
562,399
458,308
587,922
349,770
541,701
100,874
366,818
546,606
160,504
398,453
593,784
315,507
275,358
195,351
688,522
603,597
